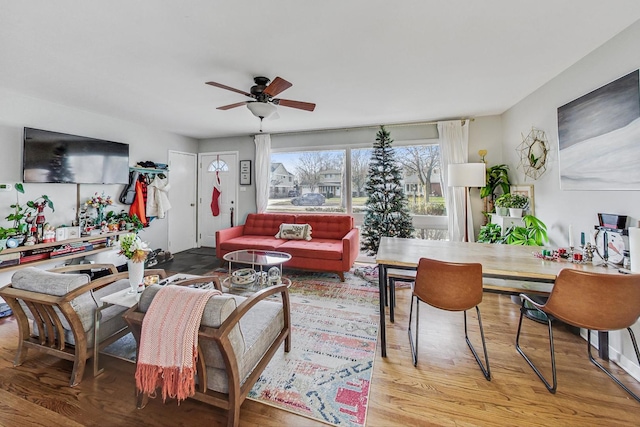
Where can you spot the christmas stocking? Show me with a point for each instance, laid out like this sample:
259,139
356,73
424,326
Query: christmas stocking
215,197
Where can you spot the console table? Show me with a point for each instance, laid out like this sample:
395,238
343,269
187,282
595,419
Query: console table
100,243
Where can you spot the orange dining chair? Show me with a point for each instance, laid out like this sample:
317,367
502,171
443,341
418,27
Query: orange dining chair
453,287
593,301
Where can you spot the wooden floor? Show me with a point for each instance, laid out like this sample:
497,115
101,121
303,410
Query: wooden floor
447,388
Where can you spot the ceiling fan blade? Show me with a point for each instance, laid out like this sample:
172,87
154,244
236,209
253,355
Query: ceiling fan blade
230,106
277,86
221,86
307,106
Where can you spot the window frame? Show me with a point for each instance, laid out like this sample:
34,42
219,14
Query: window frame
437,222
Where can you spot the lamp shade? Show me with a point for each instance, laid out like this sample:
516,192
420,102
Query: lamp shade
467,175
261,109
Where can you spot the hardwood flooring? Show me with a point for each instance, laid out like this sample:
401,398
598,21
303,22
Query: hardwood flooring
446,389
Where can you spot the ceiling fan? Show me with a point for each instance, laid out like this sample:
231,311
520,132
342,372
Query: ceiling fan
264,104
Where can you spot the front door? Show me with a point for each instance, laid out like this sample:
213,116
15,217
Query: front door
218,193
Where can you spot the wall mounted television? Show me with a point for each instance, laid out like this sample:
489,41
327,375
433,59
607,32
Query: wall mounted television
61,158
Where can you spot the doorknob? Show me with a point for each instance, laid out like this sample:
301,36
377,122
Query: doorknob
193,204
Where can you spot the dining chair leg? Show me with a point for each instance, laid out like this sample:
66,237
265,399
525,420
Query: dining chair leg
551,388
606,371
486,370
414,346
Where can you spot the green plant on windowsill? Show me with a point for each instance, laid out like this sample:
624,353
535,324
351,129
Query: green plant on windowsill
533,233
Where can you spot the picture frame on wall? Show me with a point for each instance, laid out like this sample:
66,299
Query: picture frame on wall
245,172
527,191
597,138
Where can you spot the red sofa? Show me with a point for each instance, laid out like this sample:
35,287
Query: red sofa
333,247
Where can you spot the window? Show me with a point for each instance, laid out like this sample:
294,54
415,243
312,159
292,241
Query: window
307,181
325,181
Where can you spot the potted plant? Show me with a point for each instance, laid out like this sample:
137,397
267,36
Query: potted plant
497,178
517,203
501,204
514,202
5,233
490,233
534,232
21,214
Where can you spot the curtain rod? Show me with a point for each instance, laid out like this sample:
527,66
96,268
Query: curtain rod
471,119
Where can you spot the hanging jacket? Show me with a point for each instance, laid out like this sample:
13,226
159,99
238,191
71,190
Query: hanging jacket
157,198
129,192
138,206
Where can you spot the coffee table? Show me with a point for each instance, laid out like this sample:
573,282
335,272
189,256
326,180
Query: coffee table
256,259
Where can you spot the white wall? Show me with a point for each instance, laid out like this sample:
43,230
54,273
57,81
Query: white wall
18,111
485,133
557,208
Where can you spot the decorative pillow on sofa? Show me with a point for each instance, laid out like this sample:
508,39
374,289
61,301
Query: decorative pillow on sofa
294,232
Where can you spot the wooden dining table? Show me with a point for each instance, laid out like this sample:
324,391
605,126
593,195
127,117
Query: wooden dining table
520,269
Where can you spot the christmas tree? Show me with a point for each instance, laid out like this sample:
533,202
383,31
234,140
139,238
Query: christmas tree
386,210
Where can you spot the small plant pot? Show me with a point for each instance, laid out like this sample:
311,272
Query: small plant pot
515,212
502,211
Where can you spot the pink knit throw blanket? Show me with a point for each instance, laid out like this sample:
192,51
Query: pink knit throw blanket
169,342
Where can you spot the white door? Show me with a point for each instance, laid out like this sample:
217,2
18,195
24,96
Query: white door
222,166
182,196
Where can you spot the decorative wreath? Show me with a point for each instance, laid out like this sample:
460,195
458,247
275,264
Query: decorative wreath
533,153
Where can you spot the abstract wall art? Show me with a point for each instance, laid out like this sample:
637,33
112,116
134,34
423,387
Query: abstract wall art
599,138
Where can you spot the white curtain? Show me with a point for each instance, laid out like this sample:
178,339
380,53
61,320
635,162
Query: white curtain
454,148
263,164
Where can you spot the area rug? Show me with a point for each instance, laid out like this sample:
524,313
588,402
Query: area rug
327,374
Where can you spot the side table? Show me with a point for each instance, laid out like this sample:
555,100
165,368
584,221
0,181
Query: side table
122,298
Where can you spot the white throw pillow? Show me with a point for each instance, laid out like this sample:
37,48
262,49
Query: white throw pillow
294,232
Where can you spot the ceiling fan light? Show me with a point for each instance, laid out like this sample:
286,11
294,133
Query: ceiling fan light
261,109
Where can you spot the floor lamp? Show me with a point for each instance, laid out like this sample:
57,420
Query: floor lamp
467,175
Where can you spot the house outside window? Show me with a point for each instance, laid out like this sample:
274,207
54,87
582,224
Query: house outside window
337,179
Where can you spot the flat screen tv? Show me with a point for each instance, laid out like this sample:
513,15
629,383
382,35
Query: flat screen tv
58,157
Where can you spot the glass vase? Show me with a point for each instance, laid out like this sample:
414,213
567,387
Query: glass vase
99,215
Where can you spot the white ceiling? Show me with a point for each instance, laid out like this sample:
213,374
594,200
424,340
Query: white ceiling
363,62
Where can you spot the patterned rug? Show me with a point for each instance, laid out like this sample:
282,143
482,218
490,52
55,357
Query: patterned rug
327,374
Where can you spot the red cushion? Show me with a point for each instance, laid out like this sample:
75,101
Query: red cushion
327,226
320,249
265,243
265,224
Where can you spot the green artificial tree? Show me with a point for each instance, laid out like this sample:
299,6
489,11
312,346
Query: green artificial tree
386,209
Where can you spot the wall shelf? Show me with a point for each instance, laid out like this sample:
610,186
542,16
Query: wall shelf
154,171
100,242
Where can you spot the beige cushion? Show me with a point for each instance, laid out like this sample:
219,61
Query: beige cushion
260,327
256,331
294,232
59,284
